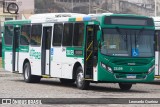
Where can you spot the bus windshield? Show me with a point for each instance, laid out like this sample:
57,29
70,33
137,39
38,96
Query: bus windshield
128,42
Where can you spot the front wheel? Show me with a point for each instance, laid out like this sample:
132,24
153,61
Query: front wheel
125,86
80,82
28,77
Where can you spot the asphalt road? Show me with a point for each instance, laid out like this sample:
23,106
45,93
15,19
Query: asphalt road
13,86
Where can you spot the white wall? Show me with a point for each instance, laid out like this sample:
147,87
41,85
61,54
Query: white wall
27,6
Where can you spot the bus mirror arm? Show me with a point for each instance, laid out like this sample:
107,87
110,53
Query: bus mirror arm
99,45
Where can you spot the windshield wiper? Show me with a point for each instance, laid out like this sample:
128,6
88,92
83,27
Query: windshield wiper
140,32
124,38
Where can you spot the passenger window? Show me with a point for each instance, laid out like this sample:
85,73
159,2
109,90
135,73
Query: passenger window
36,33
57,35
25,35
8,35
67,35
78,34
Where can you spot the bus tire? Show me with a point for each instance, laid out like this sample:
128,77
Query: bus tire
27,74
80,82
67,81
125,86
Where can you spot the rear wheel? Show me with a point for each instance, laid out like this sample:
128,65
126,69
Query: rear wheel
125,86
80,82
27,74
67,81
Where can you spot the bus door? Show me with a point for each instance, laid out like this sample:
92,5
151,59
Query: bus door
90,61
15,51
46,45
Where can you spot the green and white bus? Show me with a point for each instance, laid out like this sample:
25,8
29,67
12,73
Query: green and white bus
102,48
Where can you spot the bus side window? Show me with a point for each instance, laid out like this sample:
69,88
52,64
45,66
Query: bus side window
67,34
78,34
25,35
57,35
8,35
36,34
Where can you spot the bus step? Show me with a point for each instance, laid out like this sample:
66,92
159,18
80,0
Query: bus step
88,76
88,79
46,76
157,76
16,72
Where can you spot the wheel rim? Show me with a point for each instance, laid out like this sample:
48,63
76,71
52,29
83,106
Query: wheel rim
26,73
80,79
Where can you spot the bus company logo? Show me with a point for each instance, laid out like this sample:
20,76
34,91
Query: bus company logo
131,69
131,63
34,54
6,101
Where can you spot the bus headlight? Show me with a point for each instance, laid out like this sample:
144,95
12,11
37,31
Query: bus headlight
106,67
151,69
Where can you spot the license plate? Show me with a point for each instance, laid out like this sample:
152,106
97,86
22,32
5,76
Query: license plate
131,76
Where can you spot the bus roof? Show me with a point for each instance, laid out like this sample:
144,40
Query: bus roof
19,22
157,22
54,15
156,19
66,17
